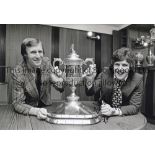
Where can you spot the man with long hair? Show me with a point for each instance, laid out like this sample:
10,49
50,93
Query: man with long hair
120,88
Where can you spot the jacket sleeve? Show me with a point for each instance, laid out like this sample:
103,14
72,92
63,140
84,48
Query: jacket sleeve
96,87
135,100
18,95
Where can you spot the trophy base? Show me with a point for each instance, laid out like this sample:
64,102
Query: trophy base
72,107
74,113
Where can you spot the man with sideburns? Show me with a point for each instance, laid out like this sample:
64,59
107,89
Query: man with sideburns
32,80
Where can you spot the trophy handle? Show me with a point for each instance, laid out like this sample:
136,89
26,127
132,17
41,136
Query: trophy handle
85,62
89,60
57,59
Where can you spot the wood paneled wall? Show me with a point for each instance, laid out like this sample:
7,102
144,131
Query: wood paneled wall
2,52
98,55
56,95
14,37
106,50
15,34
116,40
57,43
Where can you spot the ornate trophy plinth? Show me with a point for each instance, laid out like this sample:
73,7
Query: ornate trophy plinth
72,111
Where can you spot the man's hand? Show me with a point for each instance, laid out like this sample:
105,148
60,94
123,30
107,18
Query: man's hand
58,76
56,79
41,113
107,110
57,71
90,72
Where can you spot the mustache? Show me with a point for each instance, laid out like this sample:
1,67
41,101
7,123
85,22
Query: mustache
121,70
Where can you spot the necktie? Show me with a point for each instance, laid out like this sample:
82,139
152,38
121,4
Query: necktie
38,79
117,93
38,84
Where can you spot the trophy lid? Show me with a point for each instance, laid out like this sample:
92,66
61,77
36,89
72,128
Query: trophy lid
73,54
73,57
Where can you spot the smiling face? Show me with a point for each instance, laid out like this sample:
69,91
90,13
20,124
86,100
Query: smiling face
121,69
34,55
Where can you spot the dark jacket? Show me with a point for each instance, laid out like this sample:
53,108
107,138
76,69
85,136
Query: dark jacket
132,91
25,93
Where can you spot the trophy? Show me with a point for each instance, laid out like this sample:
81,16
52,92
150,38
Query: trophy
139,59
73,111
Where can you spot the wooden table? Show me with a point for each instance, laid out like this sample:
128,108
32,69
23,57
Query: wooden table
10,120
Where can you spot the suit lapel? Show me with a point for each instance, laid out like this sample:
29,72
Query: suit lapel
129,86
107,83
30,84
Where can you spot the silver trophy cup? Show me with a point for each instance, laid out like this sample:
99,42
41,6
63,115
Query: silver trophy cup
73,76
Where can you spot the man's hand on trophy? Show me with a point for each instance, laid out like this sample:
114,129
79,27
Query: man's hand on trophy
57,71
90,75
57,75
90,72
56,78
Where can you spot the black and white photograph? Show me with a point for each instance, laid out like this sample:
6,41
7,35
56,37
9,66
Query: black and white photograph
77,76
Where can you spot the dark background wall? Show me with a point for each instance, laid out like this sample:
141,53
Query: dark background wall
57,42
2,52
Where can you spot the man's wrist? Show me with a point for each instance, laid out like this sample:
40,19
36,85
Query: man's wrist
117,111
34,111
